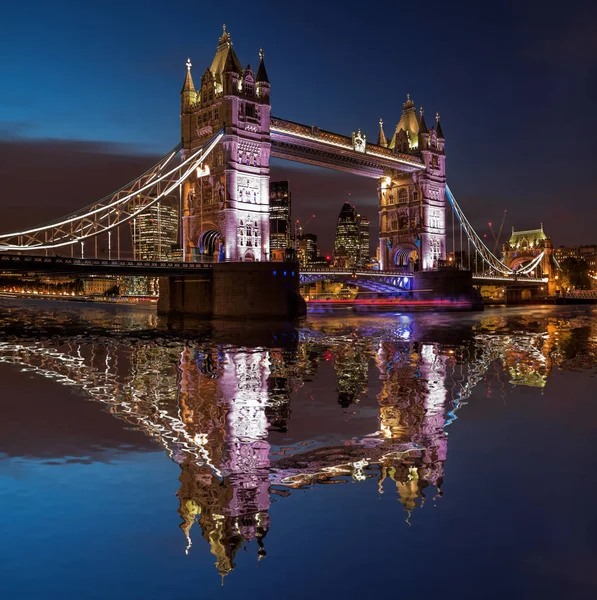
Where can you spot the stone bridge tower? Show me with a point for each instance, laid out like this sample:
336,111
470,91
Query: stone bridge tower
225,206
525,246
412,205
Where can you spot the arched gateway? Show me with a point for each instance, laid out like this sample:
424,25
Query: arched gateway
232,187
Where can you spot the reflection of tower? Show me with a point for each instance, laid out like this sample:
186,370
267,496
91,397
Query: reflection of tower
225,403
412,410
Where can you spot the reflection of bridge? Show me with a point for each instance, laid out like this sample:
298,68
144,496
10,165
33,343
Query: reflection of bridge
216,409
219,177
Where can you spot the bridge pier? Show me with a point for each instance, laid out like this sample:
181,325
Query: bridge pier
239,290
447,285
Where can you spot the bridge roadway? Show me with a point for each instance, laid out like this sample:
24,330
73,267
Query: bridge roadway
401,277
60,265
381,281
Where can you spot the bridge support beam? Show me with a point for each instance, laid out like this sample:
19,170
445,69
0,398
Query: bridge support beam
259,290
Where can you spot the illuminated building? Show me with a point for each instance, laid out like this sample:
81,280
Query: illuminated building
225,210
412,205
347,243
155,232
586,253
364,254
307,249
280,207
98,286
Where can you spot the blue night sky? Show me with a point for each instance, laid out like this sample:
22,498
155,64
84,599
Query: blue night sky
97,85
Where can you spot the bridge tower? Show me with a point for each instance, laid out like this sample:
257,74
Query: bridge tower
524,246
412,205
225,206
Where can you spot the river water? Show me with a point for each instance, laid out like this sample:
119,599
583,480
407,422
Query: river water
383,456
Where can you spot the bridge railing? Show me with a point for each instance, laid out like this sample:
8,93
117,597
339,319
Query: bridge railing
28,260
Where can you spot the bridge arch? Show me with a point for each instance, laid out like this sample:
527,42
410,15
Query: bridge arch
405,255
209,242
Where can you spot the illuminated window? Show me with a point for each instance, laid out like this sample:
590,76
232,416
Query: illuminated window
402,195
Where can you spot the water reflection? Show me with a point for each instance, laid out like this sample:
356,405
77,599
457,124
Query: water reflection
247,416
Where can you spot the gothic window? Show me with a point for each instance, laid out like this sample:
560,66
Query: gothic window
403,195
216,114
249,89
434,162
254,197
415,196
250,111
390,198
403,222
394,225
254,160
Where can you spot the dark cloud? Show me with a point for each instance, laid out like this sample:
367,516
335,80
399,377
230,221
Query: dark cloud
45,179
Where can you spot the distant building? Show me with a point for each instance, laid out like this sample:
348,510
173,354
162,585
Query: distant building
155,233
94,285
280,205
307,248
351,244
586,253
364,256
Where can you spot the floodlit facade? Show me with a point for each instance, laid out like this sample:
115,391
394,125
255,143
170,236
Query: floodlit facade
412,205
226,205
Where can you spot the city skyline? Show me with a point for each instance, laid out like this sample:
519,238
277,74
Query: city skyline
490,172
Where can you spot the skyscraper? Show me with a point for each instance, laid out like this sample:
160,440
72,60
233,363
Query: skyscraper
279,215
307,248
155,232
364,254
347,243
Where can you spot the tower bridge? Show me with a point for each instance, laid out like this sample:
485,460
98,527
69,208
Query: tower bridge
219,176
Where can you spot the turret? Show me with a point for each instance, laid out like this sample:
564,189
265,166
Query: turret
188,97
263,85
423,132
230,75
408,123
381,138
438,128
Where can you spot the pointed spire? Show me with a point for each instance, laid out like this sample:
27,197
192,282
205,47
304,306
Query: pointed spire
261,72
188,85
409,103
232,64
381,138
438,127
225,38
422,124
